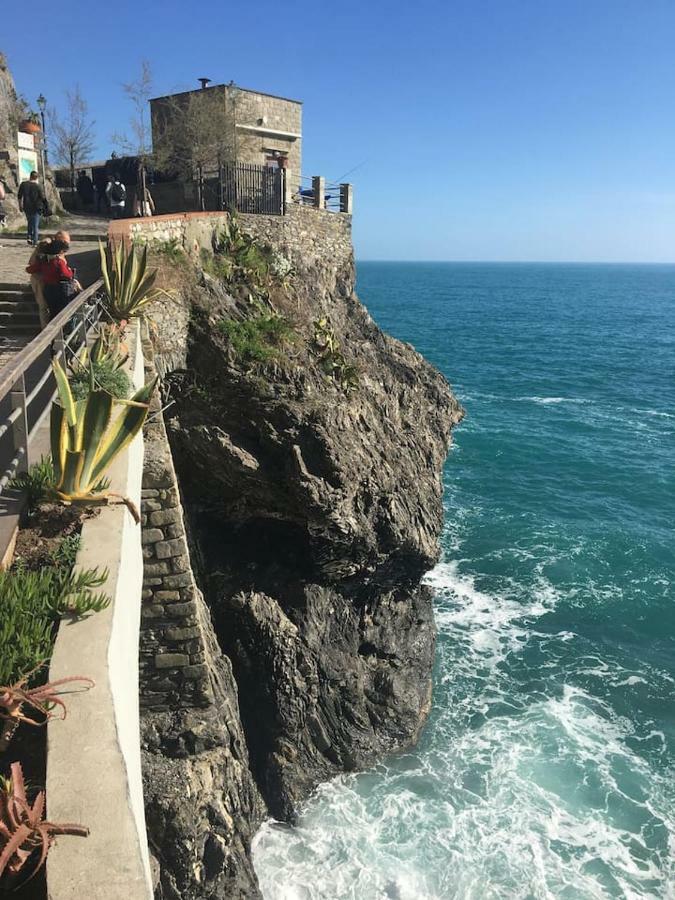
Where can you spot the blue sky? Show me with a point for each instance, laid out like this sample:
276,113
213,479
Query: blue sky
477,130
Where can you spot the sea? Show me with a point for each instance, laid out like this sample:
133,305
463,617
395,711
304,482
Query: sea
547,766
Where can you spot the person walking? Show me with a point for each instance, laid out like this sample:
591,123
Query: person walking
145,205
32,202
117,197
85,190
3,214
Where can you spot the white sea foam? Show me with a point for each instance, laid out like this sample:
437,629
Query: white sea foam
518,790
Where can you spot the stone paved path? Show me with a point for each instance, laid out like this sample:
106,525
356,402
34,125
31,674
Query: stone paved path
17,307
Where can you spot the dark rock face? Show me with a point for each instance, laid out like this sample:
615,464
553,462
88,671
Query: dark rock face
316,510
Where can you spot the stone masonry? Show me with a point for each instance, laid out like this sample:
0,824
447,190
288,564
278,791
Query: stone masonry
173,669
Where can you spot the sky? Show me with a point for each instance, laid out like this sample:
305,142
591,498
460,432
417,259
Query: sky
472,130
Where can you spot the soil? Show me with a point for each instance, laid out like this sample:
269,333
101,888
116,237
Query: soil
44,530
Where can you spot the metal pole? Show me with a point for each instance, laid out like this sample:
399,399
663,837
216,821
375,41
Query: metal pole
44,138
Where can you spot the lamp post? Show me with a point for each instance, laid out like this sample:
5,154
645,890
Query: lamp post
42,104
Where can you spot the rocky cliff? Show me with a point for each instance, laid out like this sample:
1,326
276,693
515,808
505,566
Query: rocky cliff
12,109
311,473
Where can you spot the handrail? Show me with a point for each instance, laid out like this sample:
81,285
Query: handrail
52,331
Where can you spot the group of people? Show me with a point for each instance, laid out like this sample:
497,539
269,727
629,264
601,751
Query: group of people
33,202
53,281
111,195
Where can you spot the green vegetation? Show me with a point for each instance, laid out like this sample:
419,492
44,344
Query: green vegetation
108,349
172,251
332,360
101,377
216,265
259,339
36,483
85,440
127,283
31,603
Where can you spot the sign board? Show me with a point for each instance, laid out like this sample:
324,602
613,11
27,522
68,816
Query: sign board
27,163
25,141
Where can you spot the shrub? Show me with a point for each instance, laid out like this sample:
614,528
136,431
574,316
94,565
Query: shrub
31,604
105,378
36,483
332,361
171,250
260,339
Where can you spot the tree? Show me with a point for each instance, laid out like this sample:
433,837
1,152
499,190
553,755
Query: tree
138,142
195,131
194,134
73,134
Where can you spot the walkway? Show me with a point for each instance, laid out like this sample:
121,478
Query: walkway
19,321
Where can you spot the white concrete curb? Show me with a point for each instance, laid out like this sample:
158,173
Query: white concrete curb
93,757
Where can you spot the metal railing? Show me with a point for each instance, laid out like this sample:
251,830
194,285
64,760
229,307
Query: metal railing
304,194
27,385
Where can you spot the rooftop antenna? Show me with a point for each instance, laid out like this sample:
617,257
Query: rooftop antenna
204,82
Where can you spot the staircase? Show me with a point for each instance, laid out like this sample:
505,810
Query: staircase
19,319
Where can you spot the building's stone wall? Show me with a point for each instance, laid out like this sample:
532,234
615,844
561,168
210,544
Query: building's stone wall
273,113
173,665
250,109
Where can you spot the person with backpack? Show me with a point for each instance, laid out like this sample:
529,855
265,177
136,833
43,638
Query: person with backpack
33,203
117,197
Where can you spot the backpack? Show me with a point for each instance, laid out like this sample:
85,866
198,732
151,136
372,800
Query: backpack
118,193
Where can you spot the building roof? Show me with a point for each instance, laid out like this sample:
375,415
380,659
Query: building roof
238,87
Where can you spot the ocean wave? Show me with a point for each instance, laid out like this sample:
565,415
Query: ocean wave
549,400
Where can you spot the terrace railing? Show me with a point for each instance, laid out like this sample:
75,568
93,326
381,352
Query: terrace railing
27,385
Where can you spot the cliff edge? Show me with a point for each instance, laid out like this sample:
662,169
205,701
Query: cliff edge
309,448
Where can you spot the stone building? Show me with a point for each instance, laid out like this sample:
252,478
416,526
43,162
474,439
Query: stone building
264,129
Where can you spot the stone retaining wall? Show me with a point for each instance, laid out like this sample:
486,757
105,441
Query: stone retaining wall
307,235
173,668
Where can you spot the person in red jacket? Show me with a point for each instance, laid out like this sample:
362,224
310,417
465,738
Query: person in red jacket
59,282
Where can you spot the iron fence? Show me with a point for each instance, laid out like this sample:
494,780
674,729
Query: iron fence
249,188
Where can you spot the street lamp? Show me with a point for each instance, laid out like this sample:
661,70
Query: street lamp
42,104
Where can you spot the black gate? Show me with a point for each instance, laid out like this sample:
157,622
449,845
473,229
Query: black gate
248,188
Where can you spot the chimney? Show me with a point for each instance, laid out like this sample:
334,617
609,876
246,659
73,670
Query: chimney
204,82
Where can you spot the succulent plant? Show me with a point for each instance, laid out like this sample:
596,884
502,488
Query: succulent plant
44,699
24,832
85,440
128,284
109,349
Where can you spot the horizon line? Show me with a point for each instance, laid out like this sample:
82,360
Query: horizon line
529,262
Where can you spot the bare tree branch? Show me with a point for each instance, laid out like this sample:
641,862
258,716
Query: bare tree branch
138,142
73,133
194,131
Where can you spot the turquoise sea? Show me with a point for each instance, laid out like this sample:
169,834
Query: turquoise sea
547,768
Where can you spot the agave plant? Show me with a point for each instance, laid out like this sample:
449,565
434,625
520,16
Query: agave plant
108,350
44,699
128,284
85,440
24,831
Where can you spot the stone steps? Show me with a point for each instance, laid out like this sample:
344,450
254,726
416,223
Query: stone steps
19,318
